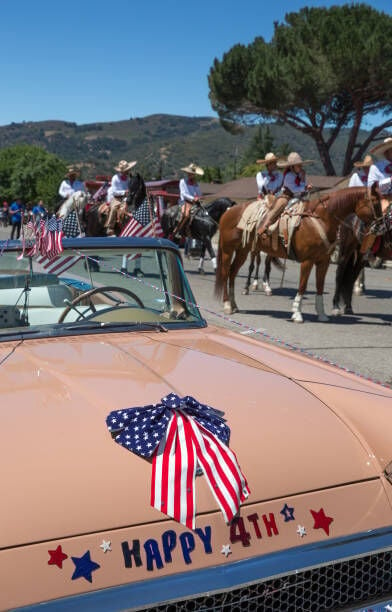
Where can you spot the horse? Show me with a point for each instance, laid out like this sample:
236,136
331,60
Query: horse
96,213
202,226
71,212
269,260
351,261
312,242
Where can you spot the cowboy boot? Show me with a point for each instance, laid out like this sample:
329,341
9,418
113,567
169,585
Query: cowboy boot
272,214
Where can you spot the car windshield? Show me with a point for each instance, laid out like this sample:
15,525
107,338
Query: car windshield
94,284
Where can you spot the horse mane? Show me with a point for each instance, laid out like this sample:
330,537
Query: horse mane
335,199
76,200
137,191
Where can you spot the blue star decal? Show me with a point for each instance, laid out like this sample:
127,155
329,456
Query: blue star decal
288,513
84,566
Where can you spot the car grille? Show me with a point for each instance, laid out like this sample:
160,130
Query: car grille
330,587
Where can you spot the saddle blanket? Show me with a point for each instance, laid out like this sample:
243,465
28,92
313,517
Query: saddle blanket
253,216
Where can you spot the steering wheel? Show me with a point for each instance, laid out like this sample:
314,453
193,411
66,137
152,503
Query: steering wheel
98,290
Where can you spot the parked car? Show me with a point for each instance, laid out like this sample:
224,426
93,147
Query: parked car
150,461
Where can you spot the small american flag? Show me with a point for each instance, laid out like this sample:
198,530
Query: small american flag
142,223
52,239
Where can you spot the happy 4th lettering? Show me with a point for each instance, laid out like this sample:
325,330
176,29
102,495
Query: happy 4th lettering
155,553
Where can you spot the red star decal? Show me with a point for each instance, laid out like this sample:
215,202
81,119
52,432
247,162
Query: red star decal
57,557
321,521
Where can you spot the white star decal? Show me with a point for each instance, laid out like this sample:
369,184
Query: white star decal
106,545
301,531
226,550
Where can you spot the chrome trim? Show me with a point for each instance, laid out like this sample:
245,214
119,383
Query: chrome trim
217,579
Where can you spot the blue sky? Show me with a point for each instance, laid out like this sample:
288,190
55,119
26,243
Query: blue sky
95,60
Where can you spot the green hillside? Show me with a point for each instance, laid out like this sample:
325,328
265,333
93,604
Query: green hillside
160,143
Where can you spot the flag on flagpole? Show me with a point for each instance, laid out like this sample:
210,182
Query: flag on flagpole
142,223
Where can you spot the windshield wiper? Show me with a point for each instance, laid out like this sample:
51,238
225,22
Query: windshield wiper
114,325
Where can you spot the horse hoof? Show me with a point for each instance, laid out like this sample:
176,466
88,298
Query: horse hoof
255,286
336,312
227,308
348,310
201,271
322,318
138,273
267,289
123,271
245,292
296,317
358,291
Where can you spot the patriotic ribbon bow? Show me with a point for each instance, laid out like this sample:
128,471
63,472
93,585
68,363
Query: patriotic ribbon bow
182,435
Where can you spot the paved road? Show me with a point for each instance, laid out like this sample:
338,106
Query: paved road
362,343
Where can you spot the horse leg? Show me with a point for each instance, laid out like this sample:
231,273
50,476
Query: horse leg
211,252
202,256
266,277
239,260
359,285
321,272
306,267
255,284
250,272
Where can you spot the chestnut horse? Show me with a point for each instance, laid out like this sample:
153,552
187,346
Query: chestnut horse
312,242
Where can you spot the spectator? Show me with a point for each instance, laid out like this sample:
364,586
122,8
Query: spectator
16,211
39,211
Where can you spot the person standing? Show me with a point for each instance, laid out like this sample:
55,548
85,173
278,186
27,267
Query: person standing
39,211
16,211
190,193
271,179
359,177
295,184
117,191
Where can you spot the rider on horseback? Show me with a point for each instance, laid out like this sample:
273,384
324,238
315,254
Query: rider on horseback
117,191
70,184
190,194
294,185
269,181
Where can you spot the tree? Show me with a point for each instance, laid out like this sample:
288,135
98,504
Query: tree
324,70
30,173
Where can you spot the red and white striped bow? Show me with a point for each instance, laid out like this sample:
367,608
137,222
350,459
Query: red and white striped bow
186,445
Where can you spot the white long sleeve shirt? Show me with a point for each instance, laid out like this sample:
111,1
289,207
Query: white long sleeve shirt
381,171
296,183
67,188
118,187
269,182
189,192
358,179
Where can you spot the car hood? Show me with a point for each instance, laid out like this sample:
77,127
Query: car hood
65,475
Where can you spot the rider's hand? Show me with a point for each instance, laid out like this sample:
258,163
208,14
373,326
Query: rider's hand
309,186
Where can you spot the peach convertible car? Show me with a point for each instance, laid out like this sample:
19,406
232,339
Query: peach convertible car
150,461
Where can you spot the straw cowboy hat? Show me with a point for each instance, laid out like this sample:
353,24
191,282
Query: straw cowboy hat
73,171
124,166
366,163
270,157
381,148
193,169
294,159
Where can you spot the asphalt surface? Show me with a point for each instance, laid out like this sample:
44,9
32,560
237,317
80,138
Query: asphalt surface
361,342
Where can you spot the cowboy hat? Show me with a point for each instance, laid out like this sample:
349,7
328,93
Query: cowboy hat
270,157
72,170
366,163
294,159
193,169
124,166
381,148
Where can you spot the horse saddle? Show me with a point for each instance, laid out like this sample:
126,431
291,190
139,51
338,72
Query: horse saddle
285,226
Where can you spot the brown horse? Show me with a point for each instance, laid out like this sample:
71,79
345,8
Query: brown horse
312,243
